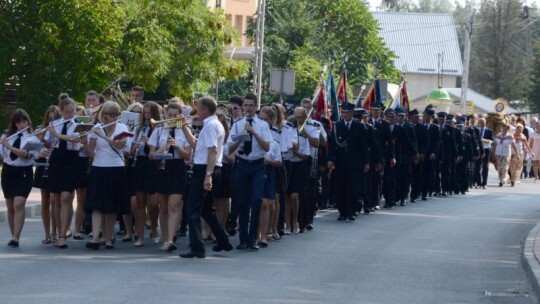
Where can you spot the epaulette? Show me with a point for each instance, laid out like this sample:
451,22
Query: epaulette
278,131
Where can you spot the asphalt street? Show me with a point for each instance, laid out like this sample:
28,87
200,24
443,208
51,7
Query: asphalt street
460,249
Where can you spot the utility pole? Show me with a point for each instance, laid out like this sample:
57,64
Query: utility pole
466,60
259,50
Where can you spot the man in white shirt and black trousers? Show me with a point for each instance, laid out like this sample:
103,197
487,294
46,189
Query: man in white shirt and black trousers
249,170
206,172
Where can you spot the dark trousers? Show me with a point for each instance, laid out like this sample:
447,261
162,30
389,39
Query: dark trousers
249,186
376,185
347,193
485,167
418,185
325,188
462,177
200,204
389,185
361,184
306,206
446,175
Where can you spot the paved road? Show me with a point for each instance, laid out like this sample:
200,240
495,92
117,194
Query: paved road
447,250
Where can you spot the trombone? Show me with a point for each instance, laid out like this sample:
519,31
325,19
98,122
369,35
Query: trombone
176,122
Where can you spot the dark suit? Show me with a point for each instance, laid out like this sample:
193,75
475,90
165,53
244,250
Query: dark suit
464,167
407,144
381,181
431,167
449,151
418,185
348,149
375,158
483,163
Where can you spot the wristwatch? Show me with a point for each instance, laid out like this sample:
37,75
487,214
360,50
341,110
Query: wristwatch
208,173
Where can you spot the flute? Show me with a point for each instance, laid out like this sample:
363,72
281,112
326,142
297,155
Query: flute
18,132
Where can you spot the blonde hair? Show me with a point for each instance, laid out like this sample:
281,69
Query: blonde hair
135,106
108,107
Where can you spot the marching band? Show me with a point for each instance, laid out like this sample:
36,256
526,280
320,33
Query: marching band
228,168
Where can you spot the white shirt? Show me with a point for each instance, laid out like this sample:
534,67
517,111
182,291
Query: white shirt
212,135
304,148
18,162
160,137
260,127
225,152
313,128
503,144
137,138
59,125
105,155
274,152
318,124
280,135
292,136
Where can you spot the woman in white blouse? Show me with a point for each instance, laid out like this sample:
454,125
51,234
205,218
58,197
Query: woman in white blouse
17,172
503,152
107,193
171,178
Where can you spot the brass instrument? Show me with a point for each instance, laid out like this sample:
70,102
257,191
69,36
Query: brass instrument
171,122
115,94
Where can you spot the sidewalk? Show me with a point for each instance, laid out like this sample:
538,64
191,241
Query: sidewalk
531,258
33,205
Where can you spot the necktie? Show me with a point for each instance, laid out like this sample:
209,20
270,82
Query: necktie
171,134
482,135
248,144
63,144
16,145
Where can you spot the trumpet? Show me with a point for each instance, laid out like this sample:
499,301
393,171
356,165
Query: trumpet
176,122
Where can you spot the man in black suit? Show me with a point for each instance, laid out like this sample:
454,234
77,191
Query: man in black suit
418,186
477,142
431,176
464,166
405,135
348,153
449,153
487,137
380,178
391,172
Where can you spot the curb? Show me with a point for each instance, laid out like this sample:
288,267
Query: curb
530,262
32,210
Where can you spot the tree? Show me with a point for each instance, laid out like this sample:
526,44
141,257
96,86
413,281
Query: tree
499,63
533,97
51,46
180,42
305,35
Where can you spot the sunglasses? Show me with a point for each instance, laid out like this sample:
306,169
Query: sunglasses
112,114
196,127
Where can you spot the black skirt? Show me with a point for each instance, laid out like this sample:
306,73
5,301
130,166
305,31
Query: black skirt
83,170
63,171
281,180
108,190
222,186
299,177
17,181
143,175
40,181
172,179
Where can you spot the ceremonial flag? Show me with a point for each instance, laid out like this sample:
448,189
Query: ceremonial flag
342,89
332,97
321,107
405,99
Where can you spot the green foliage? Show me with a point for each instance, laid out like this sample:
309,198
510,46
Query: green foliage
534,90
54,46
305,35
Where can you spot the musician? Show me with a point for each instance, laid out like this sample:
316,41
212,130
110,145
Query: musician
63,160
107,193
407,145
207,162
348,152
309,199
486,135
171,177
376,157
249,170
137,94
418,187
223,188
235,103
17,173
295,173
388,159
390,173
41,178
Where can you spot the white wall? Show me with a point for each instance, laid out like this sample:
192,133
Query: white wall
421,84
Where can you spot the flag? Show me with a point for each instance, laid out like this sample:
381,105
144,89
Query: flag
342,88
405,99
397,102
378,92
332,97
321,107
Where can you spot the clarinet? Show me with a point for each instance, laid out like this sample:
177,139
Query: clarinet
138,141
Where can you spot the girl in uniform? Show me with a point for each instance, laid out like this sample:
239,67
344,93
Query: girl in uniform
17,172
107,194
171,176
41,179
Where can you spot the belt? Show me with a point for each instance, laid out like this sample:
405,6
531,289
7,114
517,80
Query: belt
251,161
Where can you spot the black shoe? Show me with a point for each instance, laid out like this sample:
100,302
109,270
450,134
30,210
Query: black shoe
91,245
484,187
191,255
242,246
387,207
182,233
351,219
377,208
413,200
424,198
109,246
402,203
500,184
512,183
341,218
366,211
127,239
301,230
281,233
253,247
226,247
309,227
13,244
443,194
